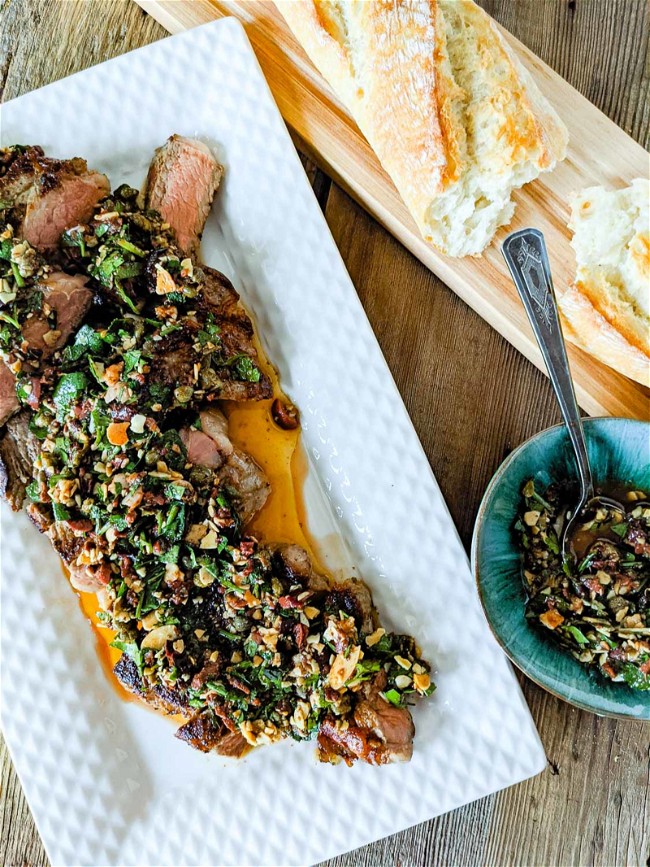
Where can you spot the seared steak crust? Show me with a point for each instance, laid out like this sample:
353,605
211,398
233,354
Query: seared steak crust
205,732
175,356
164,699
18,451
47,195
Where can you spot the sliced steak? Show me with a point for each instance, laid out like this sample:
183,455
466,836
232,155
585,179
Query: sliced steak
242,476
293,564
71,539
174,357
201,449
381,732
9,403
69,297
167,700
353,597
221,298
19,169
338,740
48,195
18,450
393,725
230,388
206,733
183,178
209,447
215,425
247,483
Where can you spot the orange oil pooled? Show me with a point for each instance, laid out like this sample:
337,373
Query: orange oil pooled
106,654
281,455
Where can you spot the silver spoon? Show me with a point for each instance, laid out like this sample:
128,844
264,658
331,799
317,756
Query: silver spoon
527,259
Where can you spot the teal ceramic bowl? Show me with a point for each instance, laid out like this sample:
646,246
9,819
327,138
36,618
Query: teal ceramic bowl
619,449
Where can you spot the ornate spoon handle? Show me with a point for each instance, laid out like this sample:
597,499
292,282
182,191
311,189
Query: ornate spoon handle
526,257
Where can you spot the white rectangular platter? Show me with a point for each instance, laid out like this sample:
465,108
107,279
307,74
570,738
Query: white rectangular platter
106,780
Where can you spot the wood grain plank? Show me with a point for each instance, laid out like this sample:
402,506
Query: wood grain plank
20,844
312,111
591,806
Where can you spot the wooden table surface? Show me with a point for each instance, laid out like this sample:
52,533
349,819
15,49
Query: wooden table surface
472,398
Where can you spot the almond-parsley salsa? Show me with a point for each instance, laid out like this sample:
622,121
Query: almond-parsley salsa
595,604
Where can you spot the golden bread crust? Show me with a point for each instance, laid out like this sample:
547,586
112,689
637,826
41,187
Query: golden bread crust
454,118
608,306
589,330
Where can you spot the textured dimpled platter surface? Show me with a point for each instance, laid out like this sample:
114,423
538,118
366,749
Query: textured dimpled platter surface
106,780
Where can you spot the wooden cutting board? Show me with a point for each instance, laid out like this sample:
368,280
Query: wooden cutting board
599,153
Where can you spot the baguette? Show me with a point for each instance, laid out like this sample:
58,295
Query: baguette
607,309
453,116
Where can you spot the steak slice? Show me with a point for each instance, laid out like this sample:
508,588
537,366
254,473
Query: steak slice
160,697
353,597
174,356
339,740
48,195
243,477
294,564
381,732
183,178
19,168
18,451
71,538
393,725
70,298
205,732
9,403
211,446
247,483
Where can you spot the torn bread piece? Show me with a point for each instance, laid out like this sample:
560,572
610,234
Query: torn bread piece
607,310
455,119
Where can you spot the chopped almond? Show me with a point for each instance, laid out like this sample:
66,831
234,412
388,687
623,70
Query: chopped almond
375,636
343,668
250,599
116,433
164,281
551,618
112,373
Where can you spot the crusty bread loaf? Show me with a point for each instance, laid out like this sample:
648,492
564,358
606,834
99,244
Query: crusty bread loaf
607,309
454,118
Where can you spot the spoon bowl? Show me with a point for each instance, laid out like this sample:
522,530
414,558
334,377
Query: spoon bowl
580,511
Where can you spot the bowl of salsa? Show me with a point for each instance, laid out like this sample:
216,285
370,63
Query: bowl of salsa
578,622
